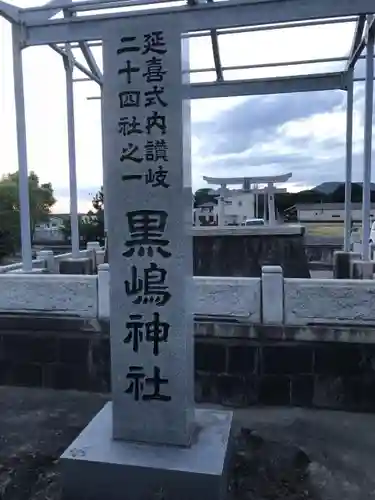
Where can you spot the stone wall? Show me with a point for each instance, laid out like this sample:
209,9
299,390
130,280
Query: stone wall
243,251
320,375
236,364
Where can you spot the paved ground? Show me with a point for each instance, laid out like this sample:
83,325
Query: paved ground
281,454
339,448
312,239
35,428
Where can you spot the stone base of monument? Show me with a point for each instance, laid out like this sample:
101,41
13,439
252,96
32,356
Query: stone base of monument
96,467
82,265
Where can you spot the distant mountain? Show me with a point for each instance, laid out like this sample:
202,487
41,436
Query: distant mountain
330,187
327,187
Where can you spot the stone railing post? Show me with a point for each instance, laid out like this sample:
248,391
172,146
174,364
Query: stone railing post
49,258
103,291
272,295
100,257
362,270
92,248
342,264
93,245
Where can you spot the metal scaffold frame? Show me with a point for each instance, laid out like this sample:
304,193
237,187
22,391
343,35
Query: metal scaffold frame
65,25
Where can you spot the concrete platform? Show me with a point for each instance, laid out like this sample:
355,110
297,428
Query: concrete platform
96,467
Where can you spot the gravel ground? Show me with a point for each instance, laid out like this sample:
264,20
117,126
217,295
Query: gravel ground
280,454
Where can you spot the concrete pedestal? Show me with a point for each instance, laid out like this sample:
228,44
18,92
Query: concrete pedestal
96,467
76,266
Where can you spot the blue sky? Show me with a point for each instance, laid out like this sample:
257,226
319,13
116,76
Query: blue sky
301,133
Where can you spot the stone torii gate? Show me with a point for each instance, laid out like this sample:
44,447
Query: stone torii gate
247,182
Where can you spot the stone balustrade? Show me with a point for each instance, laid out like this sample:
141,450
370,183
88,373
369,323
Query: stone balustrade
268,340
269,300
48,262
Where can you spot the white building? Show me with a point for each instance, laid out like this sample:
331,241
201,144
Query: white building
237,207
51,229
329,212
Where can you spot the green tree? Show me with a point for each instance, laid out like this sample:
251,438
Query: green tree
41,202
204,195
98,205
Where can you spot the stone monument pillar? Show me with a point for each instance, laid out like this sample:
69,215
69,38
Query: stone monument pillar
149,181
149,206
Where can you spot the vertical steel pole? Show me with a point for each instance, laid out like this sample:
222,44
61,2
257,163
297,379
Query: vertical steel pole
23,180
104,170
366,199
349,160
68,65
271,204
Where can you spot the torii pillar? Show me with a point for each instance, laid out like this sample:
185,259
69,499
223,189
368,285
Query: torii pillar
271,204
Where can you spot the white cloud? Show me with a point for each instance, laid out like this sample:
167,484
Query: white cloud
295,138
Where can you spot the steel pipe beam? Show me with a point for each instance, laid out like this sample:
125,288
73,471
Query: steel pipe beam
282,85
200,17
251,29
263,86
372,26
47,13
23,175
369,106
348,161
77,64
9,12
95,5
216,53
361,45
91,62
270,27
272,65
358,35
74,224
